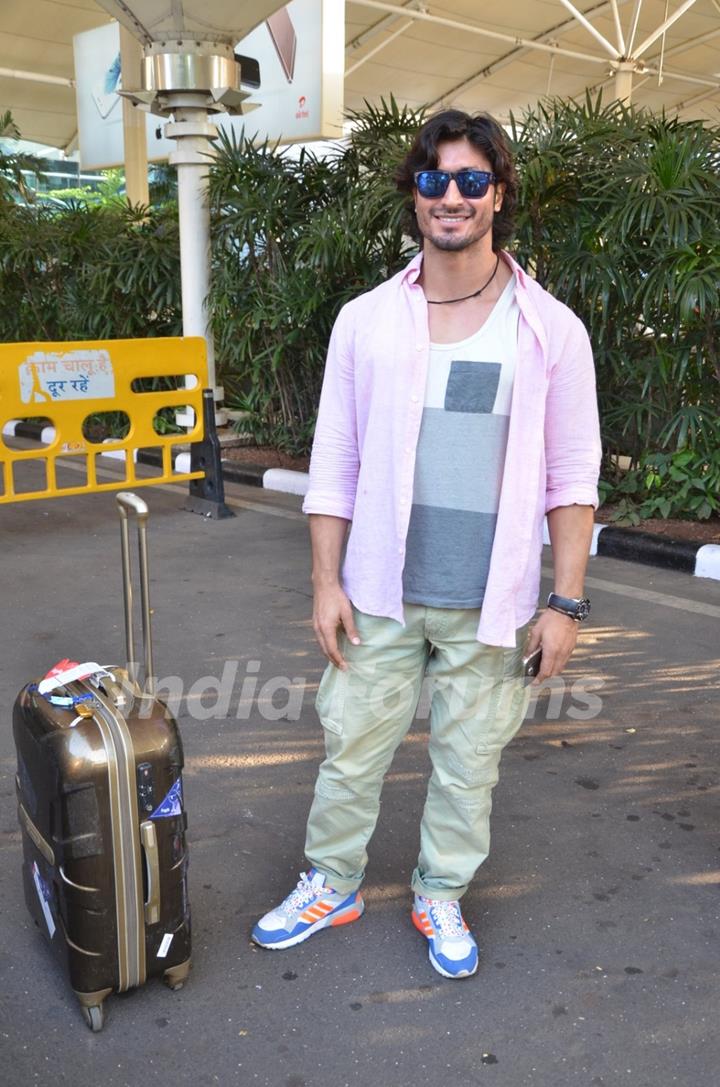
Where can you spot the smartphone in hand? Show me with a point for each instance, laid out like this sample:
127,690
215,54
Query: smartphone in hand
531,663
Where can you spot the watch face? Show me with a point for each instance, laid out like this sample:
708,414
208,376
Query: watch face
583,609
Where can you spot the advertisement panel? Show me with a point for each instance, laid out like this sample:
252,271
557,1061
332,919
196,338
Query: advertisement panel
301,51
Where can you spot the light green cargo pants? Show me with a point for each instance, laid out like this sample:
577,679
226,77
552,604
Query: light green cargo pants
478,704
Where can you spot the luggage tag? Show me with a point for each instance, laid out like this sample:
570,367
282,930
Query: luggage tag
67,671
63,673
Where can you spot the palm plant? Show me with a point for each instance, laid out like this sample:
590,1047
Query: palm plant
620,221
14,165
293,239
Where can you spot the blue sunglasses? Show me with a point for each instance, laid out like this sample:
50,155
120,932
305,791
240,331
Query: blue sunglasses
473,184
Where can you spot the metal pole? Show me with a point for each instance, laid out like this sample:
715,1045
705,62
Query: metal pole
368,56
618,28
551,34
591,29
662,28
36,77
470,28
193,133
377,28
633,26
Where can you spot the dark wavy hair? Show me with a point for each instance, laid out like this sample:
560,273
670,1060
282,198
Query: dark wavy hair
484,133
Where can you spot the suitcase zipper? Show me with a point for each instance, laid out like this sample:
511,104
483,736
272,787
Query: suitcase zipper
129,902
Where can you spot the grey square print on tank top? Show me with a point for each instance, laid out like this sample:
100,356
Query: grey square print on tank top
459,465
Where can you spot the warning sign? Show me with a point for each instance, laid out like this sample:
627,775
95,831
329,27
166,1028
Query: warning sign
48,377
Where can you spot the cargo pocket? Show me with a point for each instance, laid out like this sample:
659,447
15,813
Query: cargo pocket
330,705
512,695
507,703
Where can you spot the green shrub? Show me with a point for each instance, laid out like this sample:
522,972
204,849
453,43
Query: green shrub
684,484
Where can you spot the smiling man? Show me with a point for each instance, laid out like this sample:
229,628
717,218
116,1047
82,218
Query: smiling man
458,408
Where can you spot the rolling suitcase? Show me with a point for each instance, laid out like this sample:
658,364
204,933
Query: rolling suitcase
100,808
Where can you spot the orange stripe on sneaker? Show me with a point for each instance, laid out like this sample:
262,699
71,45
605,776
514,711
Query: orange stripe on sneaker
421,925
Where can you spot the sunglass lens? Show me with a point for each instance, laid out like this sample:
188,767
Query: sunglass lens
432,183
473,184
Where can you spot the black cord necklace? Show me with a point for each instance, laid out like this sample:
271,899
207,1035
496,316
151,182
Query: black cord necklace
475,294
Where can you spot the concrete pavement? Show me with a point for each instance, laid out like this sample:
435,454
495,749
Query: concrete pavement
597,912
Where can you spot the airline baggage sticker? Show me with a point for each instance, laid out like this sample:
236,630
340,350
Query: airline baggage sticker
165,945
43,893
172,804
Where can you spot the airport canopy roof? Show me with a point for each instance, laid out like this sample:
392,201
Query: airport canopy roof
498,56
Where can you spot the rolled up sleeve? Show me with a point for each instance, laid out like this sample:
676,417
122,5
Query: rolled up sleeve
572,428
335,462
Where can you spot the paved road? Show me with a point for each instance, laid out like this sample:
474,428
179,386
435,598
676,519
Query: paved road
597,911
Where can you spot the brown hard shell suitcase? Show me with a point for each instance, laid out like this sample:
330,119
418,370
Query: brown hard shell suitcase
99,785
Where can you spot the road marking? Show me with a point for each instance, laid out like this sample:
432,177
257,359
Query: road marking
648,596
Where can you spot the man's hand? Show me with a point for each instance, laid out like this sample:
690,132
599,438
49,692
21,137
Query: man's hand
332,609
557,634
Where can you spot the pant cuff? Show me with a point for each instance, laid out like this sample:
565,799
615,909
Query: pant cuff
439,893
336,882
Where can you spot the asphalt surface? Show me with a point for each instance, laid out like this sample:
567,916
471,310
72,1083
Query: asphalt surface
597,911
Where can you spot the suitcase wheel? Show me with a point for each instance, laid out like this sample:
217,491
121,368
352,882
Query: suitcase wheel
94,1017
176,976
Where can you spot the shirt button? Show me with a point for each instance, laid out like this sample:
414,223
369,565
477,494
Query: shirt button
400,550
414,399
407,449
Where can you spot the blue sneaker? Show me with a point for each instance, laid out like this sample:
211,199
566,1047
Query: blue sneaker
310,907
452,949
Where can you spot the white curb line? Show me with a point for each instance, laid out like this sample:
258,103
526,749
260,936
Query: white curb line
707,561
285,479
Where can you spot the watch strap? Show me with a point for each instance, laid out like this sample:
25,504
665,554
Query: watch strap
577,608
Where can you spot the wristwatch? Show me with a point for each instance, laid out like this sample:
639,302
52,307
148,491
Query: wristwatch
575,608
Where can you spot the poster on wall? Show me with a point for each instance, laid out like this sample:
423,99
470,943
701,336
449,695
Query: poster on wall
301,52
99,106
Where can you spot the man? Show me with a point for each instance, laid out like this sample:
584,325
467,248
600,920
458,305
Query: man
458,408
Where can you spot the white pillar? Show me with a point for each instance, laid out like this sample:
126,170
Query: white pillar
193,133
624,81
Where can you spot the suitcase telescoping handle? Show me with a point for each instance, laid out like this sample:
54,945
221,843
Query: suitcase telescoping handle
129,503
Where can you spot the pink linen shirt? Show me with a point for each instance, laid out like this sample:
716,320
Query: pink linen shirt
363,458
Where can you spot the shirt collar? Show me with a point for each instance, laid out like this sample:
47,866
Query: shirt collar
412,271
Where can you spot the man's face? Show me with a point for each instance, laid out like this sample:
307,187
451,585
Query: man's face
452,222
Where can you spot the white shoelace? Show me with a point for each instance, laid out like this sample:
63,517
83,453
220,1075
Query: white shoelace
305,892
448,918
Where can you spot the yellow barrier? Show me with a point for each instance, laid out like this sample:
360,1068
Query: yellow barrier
66,383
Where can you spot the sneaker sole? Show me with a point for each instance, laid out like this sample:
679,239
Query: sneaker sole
435,964
343,917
